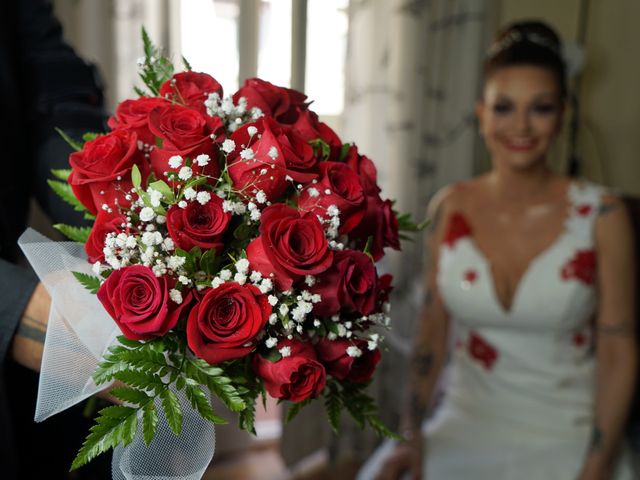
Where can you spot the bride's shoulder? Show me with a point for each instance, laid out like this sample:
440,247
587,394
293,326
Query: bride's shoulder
454,196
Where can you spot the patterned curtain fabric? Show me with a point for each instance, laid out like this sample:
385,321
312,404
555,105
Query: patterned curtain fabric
413,75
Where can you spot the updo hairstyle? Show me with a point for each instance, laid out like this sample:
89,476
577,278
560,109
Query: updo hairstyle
527,43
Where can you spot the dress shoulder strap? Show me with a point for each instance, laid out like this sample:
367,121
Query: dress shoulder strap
585,200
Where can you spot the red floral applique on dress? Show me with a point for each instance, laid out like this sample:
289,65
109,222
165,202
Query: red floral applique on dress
584,209
579,339
470,276
581,267
456,229
482,351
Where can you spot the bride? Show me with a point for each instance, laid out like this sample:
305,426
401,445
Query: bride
529,301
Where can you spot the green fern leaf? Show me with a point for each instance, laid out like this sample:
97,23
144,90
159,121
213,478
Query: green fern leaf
77,234
89,282
172,410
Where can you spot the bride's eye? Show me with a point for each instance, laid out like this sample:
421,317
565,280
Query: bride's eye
544,108
502,108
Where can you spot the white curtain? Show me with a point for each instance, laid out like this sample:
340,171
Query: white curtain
413,75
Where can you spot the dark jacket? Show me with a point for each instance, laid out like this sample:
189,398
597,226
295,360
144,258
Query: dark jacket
43,84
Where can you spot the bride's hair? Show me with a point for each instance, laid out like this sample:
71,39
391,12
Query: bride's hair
527,43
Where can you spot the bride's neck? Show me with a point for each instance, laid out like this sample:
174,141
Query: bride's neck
520,186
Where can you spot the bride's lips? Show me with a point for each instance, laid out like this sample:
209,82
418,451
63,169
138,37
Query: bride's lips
520,145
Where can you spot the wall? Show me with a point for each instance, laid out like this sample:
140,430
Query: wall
609,137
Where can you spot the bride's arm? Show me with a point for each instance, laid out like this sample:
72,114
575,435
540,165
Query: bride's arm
427,357
615,341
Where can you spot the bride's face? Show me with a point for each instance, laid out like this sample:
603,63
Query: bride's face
520,115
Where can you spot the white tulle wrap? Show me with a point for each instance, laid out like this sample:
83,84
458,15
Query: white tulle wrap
79,332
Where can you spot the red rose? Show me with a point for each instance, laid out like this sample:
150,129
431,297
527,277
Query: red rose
339,364
310,128
101,171
280,103
365,169
134,115
351,282
264,169
187,133
380,224
198,225
296,377
105,223
191,88
344,191
139,302
223,325
482,351
457,228
385,287
582,267
299,160
291,245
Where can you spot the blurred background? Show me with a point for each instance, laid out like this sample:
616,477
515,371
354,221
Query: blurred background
399,78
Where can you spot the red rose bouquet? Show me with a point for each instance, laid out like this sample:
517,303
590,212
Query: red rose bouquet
233,244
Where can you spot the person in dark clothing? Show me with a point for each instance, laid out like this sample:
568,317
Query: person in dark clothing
43,85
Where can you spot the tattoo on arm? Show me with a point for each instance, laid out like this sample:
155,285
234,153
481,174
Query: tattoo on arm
623,328
421,363
606,208
31,328
596,439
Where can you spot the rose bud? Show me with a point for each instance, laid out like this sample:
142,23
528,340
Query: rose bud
351,283
101,171
105,223
294,377
356,368
187,133
224,324
379,223
338,186
310,128
134,115
281,103
139,302
198,225
191,89
291,245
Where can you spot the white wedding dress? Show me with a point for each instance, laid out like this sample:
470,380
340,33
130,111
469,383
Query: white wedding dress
519,386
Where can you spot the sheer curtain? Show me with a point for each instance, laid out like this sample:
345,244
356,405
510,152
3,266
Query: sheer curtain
413,75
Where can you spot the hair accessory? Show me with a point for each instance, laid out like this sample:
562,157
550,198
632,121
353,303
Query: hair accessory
517,36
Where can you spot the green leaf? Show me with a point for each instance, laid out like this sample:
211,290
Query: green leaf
164,189
332,404
208,261
146,381
89,282
61,173
295,408
321,148
149,422
156,68
63,190
130,395
114,425
172,410
200,402
136,177
247,417
344,150
107,370
221,385
128,342
90,136
72,143
187,65
77,234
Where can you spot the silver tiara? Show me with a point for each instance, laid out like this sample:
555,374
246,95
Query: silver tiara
516,36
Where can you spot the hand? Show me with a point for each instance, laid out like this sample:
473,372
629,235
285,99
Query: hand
28,342
405,458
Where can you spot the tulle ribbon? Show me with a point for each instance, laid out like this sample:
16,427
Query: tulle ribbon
78,334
